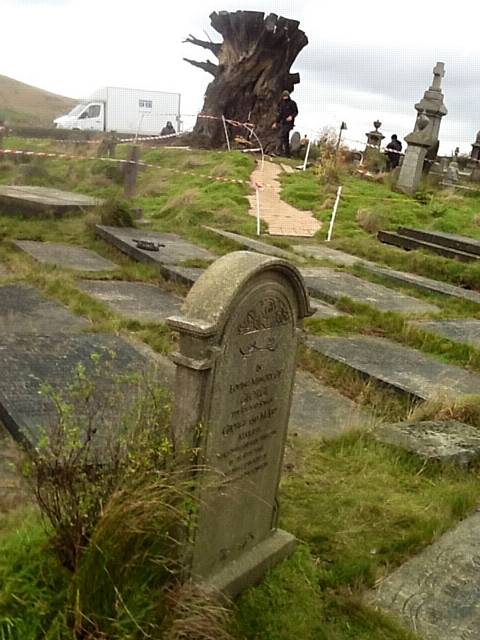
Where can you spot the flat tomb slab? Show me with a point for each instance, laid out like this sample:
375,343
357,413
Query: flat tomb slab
320,412
251,243
446,441
466,331
423,283
182,275
133,300
321,252
324,310
172,249
29,364
65,255
24,311
402,368
436,593
331,285
35,201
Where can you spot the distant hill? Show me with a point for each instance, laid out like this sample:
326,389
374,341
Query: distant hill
22,104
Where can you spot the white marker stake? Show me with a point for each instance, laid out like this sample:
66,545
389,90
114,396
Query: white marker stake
226,133
334,213
307,153
257,193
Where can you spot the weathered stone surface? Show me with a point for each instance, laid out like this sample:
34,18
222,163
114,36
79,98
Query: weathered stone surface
41,201
320,412
436,593
172,249
447,441
323,252
238,342
466,331
28,364
402,368
67,256
133,300
425,284
182,275
331,285
251,244
24,311
324,310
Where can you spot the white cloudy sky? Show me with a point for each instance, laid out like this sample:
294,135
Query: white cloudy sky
365,60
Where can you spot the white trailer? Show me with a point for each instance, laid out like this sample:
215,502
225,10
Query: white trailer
132,111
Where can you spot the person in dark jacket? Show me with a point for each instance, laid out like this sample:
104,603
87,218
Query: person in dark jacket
287,112
168,129
393,156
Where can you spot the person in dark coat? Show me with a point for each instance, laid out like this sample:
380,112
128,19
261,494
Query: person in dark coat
393,156
168,129
287,112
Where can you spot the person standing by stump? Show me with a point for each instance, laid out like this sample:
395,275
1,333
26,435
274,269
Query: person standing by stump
393,153
287,112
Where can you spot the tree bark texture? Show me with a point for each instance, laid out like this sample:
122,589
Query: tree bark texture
253,69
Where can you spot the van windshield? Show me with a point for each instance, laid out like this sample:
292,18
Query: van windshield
76,110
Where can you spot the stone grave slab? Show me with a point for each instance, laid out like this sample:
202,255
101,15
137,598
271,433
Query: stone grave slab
331,285
28,364
402,368
67,256
320,412
43,201
466,331
324,310
24,311
172,249
238,337
423,283
322,252
446,441
436,593
133,300
251,244
182,275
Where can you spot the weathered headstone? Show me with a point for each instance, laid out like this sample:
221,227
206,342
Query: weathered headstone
235,375
431,110
130,171
67,256
133,300
295,142
446,441
41,202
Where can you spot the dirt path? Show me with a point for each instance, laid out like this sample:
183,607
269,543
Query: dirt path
282,218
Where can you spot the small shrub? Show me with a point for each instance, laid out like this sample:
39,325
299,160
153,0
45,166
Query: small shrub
111,170
370,221
116,212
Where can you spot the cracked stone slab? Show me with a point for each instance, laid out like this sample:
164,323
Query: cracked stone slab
133,300
24,311
324,310
251,243
446,441
464,331
67,256
423,283
403,368
319,411
29,364
322,252
40,201
331,285
437,593
172,249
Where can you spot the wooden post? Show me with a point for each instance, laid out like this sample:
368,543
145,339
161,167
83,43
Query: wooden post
131,171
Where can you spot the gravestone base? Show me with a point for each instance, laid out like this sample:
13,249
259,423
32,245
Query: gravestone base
248,570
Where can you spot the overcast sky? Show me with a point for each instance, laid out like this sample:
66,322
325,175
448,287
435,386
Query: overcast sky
365,60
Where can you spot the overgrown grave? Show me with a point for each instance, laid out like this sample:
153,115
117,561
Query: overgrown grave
236,365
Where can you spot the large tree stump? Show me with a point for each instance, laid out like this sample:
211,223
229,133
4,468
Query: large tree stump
253,69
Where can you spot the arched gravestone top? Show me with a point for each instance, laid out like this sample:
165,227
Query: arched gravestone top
235,373
295,142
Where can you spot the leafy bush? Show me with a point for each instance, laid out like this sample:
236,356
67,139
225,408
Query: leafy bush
116,212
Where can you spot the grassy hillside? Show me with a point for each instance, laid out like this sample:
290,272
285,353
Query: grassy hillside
22,104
